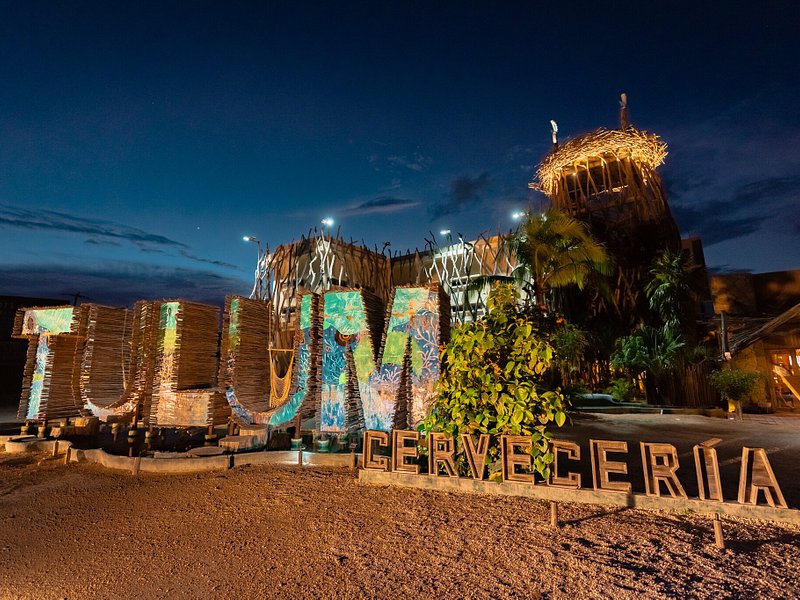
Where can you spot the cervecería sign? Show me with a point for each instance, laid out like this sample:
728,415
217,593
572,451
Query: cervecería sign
660,464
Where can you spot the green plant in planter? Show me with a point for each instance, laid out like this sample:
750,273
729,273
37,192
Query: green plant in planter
491,383
734,385
621,389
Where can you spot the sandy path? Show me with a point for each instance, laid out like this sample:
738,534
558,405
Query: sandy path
84,532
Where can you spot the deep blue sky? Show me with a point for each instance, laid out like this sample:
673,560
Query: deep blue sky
139,141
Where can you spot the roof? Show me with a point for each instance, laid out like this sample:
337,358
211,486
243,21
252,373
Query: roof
603,144
746,338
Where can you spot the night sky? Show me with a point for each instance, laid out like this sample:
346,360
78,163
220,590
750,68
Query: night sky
140,141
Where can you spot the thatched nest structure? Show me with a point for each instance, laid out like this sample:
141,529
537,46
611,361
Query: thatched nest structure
601,146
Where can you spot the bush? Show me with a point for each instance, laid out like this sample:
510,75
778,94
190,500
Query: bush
621,389
734,384
491,382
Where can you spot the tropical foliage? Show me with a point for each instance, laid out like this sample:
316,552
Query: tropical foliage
671,290
553,250
493,382
621,389
734,385
654,351
571,344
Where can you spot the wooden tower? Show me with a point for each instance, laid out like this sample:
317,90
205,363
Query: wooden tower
608,179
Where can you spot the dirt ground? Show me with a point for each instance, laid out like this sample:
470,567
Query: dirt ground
288,532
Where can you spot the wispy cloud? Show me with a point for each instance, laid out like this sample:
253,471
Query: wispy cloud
734,175
744,212
120,283
464,190
208,261
381,205
416,162
43,219
100,232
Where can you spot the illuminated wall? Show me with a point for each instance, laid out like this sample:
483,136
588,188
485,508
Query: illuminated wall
47,388
355,389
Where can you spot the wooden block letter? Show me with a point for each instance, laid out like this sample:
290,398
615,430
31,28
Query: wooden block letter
573,452
602,467
708,470
401,451
440,454
378,463
512,458
660,465
476,456
763,479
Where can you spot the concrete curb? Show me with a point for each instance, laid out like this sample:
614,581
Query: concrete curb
206,463
582,496
32,444
172,465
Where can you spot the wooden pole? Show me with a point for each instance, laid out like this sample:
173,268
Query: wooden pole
298,423
55,449
300,455
554,514
718,539
68,455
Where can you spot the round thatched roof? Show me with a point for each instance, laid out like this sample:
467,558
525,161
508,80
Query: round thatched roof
600,145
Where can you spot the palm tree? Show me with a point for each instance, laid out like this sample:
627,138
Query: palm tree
671,290
654,351
554,250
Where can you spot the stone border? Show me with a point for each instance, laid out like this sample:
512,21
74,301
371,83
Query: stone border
20,444
582,496
207,463
173,465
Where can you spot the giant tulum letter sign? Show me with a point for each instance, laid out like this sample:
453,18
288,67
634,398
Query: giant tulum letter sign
352,365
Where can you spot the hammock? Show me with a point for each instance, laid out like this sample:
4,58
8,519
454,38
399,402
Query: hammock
279,385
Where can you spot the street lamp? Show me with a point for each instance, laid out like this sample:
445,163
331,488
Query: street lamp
258,290
517,215
254,239
446,232
327,222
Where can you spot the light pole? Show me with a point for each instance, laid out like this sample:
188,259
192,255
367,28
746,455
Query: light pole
448,234
257,292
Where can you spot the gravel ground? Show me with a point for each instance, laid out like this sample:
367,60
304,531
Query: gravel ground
288,532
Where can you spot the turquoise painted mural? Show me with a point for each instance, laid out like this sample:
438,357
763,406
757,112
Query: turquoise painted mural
413,326
43,322
47,320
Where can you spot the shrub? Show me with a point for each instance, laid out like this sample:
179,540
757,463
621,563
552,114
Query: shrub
734,384
491,382
621,389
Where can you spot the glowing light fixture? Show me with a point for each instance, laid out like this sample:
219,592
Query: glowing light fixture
327,221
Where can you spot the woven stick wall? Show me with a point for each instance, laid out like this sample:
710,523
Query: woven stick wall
140,372
318,263
244,352
49,389
456,266
185,389
105,356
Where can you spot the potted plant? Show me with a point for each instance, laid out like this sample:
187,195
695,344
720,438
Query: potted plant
735,386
